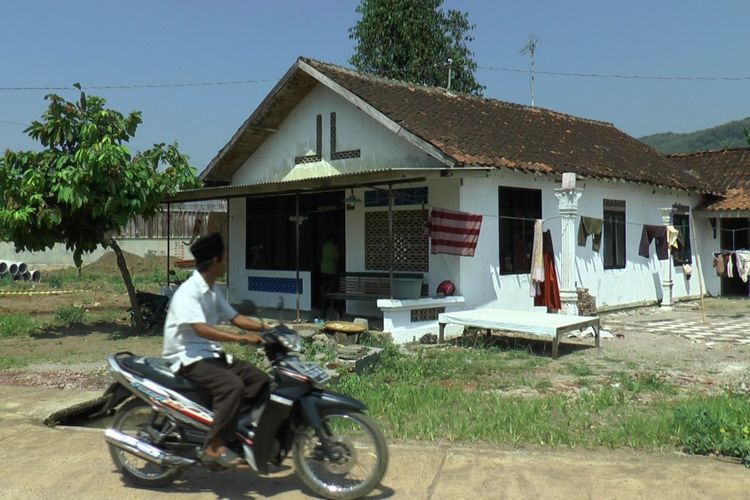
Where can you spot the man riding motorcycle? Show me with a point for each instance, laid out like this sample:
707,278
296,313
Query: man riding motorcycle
191,344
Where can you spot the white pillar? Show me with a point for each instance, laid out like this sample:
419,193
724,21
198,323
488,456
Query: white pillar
666,283
567,198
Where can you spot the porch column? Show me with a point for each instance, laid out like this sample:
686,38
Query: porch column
666,283
567,199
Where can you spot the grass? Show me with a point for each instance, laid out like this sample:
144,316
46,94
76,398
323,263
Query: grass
15,325
579,369
411,397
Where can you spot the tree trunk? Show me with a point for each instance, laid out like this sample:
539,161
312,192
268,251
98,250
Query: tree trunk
128,283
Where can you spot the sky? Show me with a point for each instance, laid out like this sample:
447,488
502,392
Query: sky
53,43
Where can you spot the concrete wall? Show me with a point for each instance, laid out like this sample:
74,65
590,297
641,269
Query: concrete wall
380,148
58,256
639,281
477,278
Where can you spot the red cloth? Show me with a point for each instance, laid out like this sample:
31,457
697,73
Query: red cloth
455,233
549,290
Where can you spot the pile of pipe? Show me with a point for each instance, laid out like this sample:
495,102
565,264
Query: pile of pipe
18,271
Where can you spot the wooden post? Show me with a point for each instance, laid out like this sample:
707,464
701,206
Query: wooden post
169,234
296,229
698,266
390,238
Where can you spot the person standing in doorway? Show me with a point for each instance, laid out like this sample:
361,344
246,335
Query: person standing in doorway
329,266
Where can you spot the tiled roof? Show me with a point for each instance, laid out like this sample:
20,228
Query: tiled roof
486,132
724,170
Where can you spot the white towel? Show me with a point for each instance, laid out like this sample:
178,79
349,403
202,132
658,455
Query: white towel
537,259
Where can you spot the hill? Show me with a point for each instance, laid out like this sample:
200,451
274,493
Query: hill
728,135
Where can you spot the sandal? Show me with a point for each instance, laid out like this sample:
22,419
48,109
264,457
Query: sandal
227,459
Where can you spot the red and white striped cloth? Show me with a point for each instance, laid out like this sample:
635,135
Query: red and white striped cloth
454,233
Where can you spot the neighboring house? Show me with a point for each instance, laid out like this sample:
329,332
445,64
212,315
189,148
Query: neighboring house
326,133
726,171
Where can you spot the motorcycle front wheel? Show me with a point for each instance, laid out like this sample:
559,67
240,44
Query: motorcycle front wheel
133,418
362,461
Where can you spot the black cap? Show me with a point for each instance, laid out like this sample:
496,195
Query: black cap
207,247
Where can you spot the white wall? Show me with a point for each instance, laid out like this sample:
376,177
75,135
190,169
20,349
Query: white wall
296,136
640,280
58,256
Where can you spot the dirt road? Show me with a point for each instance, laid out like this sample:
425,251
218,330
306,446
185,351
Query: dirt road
39,462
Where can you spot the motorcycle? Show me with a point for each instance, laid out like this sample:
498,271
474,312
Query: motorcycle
160,427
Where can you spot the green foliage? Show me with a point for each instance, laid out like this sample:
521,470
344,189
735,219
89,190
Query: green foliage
719,424
70,315
727,135
83,184
54,281
15,325
412,40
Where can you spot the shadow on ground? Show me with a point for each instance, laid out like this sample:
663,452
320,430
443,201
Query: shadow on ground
537,347
246,484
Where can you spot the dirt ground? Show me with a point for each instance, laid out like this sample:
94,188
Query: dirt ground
39,462
73,357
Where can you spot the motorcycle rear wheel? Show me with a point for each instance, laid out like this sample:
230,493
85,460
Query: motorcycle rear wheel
131,418
362,465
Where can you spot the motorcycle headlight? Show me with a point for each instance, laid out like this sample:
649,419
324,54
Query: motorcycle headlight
292,342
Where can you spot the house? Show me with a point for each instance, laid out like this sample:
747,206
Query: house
326,133
726,171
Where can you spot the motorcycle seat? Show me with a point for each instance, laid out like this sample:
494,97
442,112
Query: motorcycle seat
158,370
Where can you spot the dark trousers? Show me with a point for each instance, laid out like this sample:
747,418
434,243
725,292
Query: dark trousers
330,284
233,387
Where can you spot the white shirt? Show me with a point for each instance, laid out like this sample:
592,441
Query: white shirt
193,302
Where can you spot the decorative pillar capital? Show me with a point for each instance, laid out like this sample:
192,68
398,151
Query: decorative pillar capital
567,200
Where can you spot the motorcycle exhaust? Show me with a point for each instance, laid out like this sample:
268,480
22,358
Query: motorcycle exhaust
145,450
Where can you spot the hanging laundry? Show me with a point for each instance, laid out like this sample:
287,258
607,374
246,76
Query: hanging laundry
672,236
730,265
743,264
719,264
658,234
537,260
590,226
549,289
454,233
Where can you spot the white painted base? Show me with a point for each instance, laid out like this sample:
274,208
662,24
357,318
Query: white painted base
397,317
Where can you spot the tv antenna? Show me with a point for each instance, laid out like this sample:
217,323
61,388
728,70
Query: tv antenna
530,48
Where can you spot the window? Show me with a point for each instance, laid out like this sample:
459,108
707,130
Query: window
614,234
681,222
518,208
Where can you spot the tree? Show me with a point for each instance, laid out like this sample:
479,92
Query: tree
413,40
84,185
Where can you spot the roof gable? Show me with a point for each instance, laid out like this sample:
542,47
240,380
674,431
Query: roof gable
460,130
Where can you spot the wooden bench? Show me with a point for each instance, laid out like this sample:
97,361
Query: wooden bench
368,286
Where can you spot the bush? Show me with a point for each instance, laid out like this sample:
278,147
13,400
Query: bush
14,325
719,424
70,315
54,281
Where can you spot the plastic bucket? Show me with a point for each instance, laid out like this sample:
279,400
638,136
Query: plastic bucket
407,288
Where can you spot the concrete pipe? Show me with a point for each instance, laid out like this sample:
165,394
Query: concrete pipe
22,267
25,276
3,267
10,267
36,276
